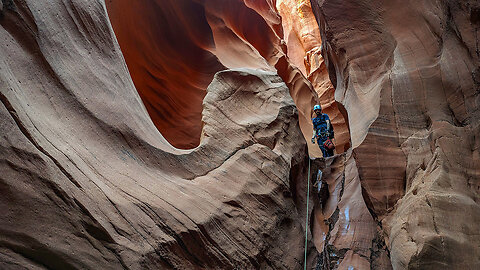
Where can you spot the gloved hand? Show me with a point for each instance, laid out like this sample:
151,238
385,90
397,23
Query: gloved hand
313,140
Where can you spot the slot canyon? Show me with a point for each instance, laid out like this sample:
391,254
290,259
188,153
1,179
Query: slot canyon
176,134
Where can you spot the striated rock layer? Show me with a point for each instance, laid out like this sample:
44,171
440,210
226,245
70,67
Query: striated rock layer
302,37
407,73
88,182
173,48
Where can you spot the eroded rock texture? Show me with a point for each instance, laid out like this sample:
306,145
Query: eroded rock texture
302,37
88,182
407,72
173,49
113,200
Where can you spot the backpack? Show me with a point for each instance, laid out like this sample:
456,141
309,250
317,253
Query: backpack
328,144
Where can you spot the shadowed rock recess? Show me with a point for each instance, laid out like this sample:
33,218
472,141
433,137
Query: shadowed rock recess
407,72
88,182
170,134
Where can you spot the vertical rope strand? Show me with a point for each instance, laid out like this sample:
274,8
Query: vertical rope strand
306,219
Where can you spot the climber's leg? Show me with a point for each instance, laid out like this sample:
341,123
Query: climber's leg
324,151
320,143
330,152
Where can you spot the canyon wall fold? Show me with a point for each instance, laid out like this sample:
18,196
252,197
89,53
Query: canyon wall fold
87,181
407,73
174,48
170,134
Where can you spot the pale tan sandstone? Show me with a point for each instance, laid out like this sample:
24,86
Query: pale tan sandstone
182,45
88,182
407,74
302,37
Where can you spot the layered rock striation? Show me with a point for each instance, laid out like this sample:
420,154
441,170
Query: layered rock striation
182,44
407,74
87,181
171,134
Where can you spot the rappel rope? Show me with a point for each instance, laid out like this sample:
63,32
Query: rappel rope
306,219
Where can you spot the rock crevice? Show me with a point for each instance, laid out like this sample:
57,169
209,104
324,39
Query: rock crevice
412,105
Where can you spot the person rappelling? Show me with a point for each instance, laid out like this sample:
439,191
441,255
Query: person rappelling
323,131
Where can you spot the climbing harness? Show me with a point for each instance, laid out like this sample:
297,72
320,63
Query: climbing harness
306,219
323,134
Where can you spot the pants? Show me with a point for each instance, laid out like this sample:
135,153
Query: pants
325,152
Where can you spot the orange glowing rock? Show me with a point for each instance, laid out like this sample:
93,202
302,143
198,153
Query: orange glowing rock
182,45
302,37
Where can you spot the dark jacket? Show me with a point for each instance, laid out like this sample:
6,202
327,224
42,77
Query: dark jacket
320,126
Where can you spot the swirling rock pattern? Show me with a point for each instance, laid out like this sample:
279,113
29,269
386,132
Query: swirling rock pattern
411,90
302,37
174,48
88,182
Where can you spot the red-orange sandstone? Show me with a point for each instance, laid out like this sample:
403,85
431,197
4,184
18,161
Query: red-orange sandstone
172,134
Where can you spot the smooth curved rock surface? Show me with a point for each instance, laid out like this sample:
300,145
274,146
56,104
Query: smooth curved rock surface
167,47
303,41
88,181
125,203
411,90
183,43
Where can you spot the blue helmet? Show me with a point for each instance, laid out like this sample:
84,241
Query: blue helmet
317,107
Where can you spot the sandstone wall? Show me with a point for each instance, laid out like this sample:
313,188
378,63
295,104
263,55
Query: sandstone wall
93,123
407,73
182,44
87,181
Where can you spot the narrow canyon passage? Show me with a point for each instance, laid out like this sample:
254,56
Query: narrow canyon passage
175,34
175,134
173,49
293,47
